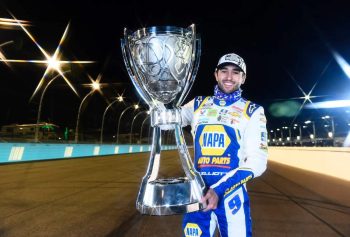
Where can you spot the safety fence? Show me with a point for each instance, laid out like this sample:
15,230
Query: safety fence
15,152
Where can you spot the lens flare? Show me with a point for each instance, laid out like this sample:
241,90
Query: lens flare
329,104
342,63
284,109
53,62
2,55
9,24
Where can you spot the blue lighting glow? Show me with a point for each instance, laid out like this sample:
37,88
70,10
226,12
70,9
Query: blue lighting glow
329,104
342,63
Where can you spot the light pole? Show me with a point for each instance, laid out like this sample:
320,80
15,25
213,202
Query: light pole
121,115
313,129
274,136
289,138
281,133
132,123
118,99
300,133
143,123
327,117
95,86
36,136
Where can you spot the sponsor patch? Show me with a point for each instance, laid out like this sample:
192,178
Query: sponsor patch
202,112
214,140
203,120
235,114
222,119
207,105
234,121
199,99
214,173
215,161
250,109
223,111
263,146
222,103
200,102
237,108
235,204
212,113
233,187
192,230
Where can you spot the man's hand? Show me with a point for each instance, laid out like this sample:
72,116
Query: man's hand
211,198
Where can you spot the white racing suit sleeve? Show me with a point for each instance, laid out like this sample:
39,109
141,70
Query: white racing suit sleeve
186,116
187,113
254,152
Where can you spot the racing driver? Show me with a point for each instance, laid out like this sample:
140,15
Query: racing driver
230,149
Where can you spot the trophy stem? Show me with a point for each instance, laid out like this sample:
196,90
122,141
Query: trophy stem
154,161
185,157
168,196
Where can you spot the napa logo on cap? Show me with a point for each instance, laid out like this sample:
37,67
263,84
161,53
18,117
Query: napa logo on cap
214,140
192,230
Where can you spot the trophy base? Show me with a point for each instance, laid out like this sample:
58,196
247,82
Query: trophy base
170,197
169,210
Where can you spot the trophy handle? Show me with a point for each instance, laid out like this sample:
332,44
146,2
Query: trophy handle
196,52
130,67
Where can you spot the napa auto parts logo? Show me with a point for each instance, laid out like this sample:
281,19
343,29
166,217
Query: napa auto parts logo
192,230
214,140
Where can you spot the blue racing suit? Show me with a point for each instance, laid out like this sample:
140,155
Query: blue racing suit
230,148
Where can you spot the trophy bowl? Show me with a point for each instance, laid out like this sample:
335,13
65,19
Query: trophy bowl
162,63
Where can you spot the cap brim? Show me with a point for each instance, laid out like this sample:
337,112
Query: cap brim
222,65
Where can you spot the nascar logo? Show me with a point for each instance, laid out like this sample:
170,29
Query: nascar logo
214,140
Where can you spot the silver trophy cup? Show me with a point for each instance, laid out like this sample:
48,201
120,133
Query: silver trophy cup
162,63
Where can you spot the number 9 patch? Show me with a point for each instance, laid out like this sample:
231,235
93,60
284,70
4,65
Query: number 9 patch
235,204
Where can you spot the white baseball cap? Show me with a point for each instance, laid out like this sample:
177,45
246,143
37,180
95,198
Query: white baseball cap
232,58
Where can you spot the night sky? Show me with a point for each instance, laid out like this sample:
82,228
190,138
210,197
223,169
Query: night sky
284,44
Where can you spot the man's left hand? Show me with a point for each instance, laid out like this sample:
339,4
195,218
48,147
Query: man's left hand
211,198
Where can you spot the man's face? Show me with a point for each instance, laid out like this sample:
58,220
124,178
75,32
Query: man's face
229,78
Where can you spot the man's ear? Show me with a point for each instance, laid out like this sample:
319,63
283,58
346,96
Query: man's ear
243,78
216,75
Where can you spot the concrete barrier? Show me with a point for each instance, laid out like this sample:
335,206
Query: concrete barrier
15,152
325,171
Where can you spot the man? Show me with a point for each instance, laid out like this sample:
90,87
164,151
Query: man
230,148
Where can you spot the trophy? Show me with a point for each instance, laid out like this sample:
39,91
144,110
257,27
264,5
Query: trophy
162,63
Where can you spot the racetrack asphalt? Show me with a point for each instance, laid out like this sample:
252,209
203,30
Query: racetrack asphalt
96,197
